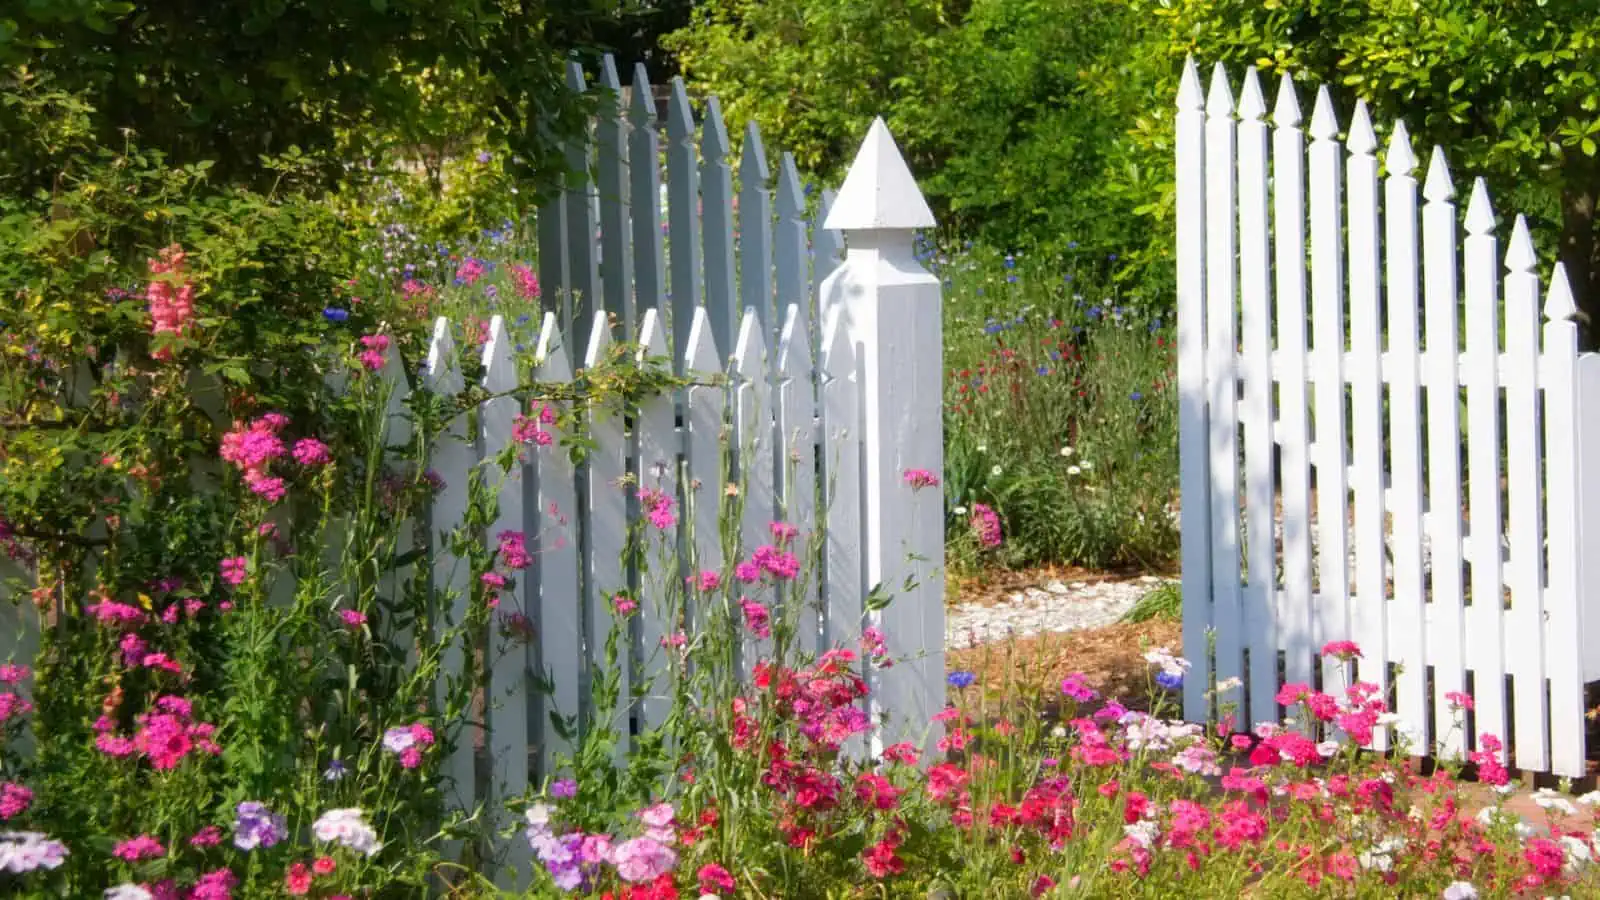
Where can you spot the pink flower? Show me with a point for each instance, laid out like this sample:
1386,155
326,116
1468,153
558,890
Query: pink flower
311,452
234,570
1459,700
623,605
658,508
783,533
11,673
780,564
353,618
643,859
747,572
526,430
514,550
298,880
714,879
252,447
756,618
110,612
265,486
920,478
209,836
986,524
1345,650
133,648
14,799
707,580
410,758
171,299
142,847
525,281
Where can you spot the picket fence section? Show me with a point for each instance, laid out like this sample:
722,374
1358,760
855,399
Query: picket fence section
1454,572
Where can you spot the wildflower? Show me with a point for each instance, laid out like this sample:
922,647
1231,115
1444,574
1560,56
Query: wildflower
1458,702
714,880
14,800
783,532
311,452
1546,798
986,524
881,859
297,881
961,679
658,508
353,618
324,865
372,355
1344,650
234,570
708,580
1074,687
335,314
216,884
1460,890
525,281
256,826
623,605
756,618
26,851
209,836
564,788
11,673
347,828
1066,452
334,771
138,848
920,478
514,550
643,859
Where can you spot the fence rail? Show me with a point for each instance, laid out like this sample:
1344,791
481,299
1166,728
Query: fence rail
1377,476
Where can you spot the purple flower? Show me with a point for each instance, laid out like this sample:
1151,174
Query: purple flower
959,680
256,826
1170,680
1075,688
565,788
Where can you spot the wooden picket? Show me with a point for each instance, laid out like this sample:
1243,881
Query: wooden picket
1492,596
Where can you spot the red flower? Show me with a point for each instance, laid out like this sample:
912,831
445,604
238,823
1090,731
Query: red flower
882,861
298,881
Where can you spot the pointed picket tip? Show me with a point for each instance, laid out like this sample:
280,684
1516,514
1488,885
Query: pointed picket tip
1519,252
652,337
1251,104
714,137
680,114
878,192
608,74
1324,122
753,161
701,356
444,376
1190,94
749,348
794,345
554,366
499,366
1286,112
575,79
1438,188
1362,139
642,105
1480,215
1220,101
599,340
1399,159
791,195
1558,304
838,354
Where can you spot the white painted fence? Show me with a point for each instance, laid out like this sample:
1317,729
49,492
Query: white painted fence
819,416
1325,491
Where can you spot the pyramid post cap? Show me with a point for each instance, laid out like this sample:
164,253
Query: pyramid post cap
1558,304
1324,122
879,192
1399,159
1438,187
1362,139
1252,105
1480,214
1220,101
1286,111
753,157
1190,94
499,369
1519,252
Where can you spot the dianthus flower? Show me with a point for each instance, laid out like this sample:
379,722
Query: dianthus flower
138,848
348,828
311,452
14,800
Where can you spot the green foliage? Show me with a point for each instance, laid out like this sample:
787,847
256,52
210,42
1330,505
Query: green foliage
1060,413
1510,89
1164,603
1016,115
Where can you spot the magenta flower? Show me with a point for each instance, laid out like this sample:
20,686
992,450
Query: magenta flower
11,673
514,550
234,570
372,357
312,452
14,799
920,478
354,618
142,847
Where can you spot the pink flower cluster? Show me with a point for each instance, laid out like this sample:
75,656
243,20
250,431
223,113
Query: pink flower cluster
986,525
408,742
658,508
164,737
525,281
781,564
14,800
374,346
920,478
532,429
252,448
171,308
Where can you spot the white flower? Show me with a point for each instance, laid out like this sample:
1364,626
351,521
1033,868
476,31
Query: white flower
983,448
960,510
1228,684
1381,856
1577,853
1590,799
1060,731
128,891
996,470
25,851
1387,719
1461,890
1087,464
1066,451
1074,470
1549,799
1143,833
349,828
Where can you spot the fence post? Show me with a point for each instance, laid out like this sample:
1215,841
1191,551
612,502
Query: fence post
892,308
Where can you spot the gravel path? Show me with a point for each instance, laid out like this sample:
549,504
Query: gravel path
1055,606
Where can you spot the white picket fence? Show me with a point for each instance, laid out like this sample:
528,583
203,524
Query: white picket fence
1465,569
816,421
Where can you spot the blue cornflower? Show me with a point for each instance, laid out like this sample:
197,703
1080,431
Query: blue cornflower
1043,370
1094,312
484,156
335,314
993,327
1011,279
1011,261
961,679
1072,245
491,292
524,319
1136,396
1111,256
334,771
1169,680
